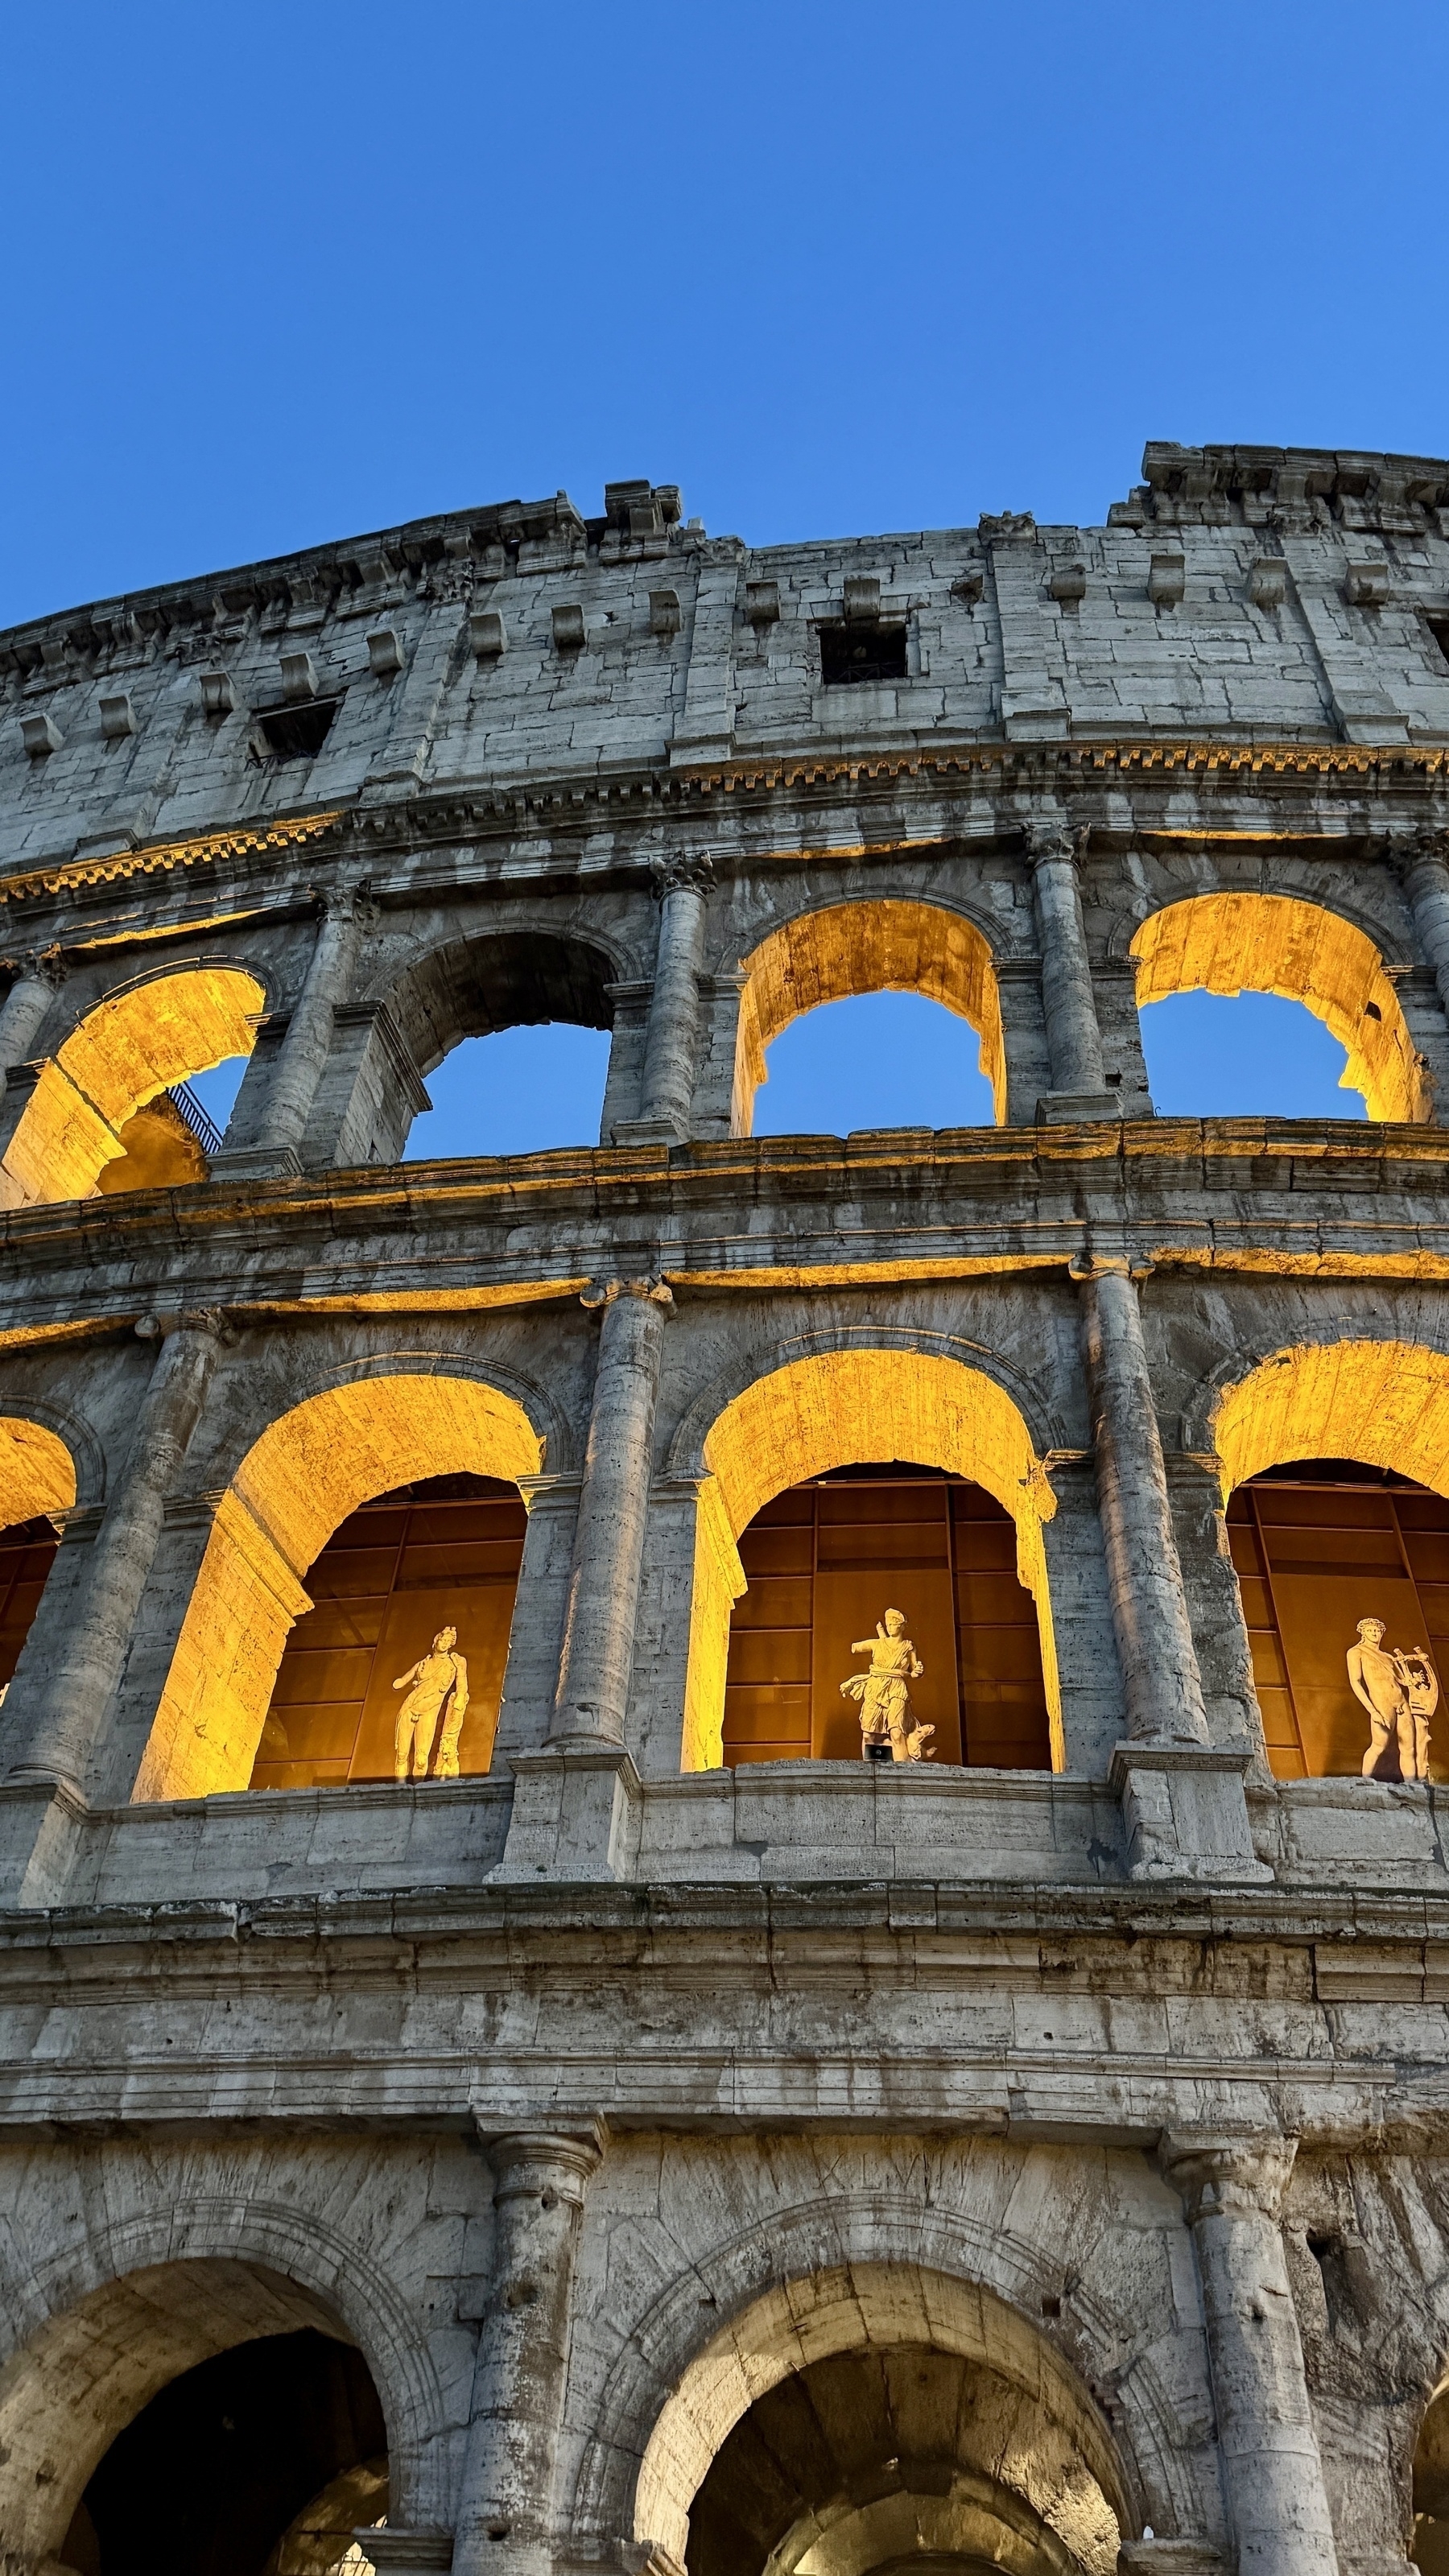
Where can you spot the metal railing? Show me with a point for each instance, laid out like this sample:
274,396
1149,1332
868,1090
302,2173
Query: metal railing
202,1125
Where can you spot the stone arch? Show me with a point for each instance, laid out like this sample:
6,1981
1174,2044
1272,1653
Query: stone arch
93,2335
874,1396
819,2279
308,1470
506,976
889,944
1231,942
558,1440
1383,1402
138,1041
38,1465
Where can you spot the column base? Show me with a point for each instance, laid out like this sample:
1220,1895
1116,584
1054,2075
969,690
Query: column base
647,1131
1073,1108
42,1823
395,2552
1184,1811
575,1814
1170,2558
256,1163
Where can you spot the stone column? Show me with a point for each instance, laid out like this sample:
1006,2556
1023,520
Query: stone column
36,984
1232,2192
671,1045
61,1712
1074,1039
1160,1683
592,1698
505,2511
1426,883
301,1059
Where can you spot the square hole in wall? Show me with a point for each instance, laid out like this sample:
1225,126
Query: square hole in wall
295,733
860,650
1439,629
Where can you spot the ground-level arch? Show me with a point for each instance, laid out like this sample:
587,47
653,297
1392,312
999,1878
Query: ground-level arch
844,949
843,1408
310,1469
1046,2493
1235,942
125,1053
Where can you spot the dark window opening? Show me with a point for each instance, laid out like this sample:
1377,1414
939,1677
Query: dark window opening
444,1553
297,733
1439,629
824,1562
1319,1545
861,650
27,1552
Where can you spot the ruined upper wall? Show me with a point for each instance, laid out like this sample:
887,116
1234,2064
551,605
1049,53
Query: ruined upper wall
1245,594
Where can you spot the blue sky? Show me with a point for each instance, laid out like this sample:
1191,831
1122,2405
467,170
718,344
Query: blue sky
309,269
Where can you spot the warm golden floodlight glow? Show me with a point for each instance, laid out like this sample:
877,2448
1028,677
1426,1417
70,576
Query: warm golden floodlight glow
852,1408
1276,943
1385,1404
307,1472
37,1472
851,948
122,1055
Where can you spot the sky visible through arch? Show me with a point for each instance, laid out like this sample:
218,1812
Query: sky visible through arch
832,269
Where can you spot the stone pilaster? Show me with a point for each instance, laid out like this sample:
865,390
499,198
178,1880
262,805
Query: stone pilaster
1183,1803
1232,2194
592,1697
1074,1039
38,979
1425,872
274,1132
671,1046
505,2513
58,1709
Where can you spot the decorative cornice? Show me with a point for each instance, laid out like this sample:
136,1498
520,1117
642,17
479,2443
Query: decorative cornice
295,832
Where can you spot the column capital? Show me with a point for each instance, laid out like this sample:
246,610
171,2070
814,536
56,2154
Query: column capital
691,869
1227,2176
653,1291
214,1321
1051,837
558,2163
39,966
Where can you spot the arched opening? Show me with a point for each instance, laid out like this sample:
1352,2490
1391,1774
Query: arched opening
1335,1467
201,2418
851,949
851,2425
900,1534
1235,943
302,1481
37,1482
100,1104
513,1030
1429,2547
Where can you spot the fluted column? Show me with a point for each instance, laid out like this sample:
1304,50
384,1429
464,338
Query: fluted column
275,1130
592,1697
1074,1038
1426,883
1232,2194
671,1045
58,1714
1160,1683
505,2512
38,980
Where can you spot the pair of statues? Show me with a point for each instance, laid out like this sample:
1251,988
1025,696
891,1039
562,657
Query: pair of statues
888,1731
1400,1690
438,1679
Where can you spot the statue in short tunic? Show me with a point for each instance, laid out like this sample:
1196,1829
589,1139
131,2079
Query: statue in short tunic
884,1694
439,1676
1400,1690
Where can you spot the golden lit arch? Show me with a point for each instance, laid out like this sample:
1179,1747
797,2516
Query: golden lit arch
304,1475
851,1408
850,948
1385,1404
37,1472
1277,943
124,1053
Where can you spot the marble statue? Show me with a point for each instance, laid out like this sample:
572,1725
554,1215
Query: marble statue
1400,1690
884,1694
439,1676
